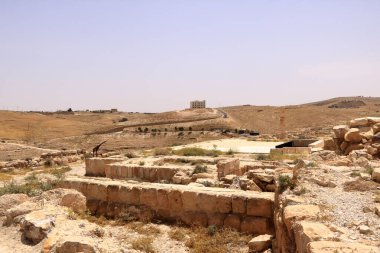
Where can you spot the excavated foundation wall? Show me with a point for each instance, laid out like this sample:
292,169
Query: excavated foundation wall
250,212
114,168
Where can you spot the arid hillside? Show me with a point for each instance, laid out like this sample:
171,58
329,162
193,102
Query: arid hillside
314,117
271,119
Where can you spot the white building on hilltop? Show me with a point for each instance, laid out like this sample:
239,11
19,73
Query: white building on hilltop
197,104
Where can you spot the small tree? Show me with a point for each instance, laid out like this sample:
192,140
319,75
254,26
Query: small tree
70,110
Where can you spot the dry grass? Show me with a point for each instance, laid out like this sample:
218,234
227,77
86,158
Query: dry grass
360,185
143,244
178,234
220,241
143,228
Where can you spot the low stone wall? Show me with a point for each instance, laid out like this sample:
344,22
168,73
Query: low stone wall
148,173
291,150
96,167
250,212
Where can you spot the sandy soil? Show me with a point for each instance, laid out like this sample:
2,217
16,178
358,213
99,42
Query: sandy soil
235,144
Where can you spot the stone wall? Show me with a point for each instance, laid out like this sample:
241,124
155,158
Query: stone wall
148,173
95,167
250,212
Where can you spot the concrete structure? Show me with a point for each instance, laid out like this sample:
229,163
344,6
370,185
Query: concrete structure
197,104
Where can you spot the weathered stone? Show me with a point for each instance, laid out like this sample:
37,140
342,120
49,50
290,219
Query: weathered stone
376,175
259,207
175,200
359,122
189,200
340,131
148,197
329,144
308,231
239,204
353,135
232,221
36,225
8,201
224,204
228,167
377,209
23,208
343,247
76,244
256,225
299,212
260,243
74,200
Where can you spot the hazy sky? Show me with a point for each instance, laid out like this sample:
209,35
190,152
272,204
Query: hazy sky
158,55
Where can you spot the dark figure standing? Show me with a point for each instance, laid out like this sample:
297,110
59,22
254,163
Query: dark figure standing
96,149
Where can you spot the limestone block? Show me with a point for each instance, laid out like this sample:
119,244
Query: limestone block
148,197
95,191
129,195
223,204
194,219
256,225
162,199
206,202
189,201
228,167
232,221
216,219
153,174
239,204
261,207
175,201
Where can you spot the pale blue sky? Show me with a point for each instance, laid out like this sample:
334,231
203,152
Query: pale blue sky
157,55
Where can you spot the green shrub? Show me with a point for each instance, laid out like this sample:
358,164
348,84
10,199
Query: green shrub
199,169
262,157
130,154
197,152
230,152
141,163
285,182
369,169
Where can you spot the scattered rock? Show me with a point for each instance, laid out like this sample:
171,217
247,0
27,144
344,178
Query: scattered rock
260,243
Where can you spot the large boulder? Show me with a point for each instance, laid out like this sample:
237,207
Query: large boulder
36,225
8,201
353,135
